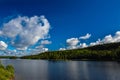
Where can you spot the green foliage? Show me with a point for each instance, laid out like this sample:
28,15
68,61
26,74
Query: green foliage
99,52
10,68
2,66
6,73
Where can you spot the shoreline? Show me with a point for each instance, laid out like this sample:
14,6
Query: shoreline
63,59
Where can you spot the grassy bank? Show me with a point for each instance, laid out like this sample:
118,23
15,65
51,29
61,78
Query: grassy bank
109,51
6,73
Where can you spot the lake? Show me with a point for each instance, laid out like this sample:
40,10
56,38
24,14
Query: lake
64,70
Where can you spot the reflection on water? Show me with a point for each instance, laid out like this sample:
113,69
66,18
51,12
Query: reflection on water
64,70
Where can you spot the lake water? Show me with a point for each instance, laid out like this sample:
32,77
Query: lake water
64,70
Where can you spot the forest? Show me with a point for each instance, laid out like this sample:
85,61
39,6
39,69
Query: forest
110,51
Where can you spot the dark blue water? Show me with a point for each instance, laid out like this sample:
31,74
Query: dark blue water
64,70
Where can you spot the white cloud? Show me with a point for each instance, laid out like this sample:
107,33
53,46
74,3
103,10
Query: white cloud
108,39
73,47
111,39
95,43
72,43
117,37
87,36
26,31
3,45
62,49
45,49
9,52
39,47
44,42
83,45
38,50
14,51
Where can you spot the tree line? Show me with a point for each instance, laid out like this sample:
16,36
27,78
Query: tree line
109,51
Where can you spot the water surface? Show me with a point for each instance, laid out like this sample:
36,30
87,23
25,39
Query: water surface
64,70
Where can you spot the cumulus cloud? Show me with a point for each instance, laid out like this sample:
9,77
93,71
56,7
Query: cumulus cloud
3,45
83,45
9,52
45,49
62,49
117,37
26,31
95,43
107,39
87,36
38,50
72,43
110,38
44,42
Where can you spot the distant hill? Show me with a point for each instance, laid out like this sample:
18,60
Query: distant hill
109,51
109,46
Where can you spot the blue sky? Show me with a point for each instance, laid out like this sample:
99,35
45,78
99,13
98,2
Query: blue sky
68,19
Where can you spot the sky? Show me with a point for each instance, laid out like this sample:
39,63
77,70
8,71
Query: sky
34,26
